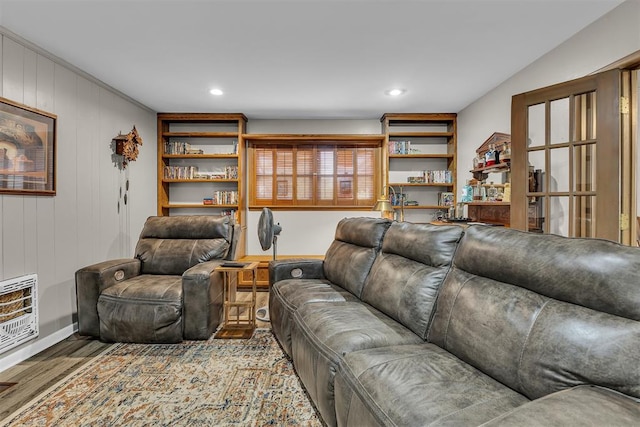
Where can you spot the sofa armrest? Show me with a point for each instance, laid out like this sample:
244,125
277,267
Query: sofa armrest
91,281
202,293
295,269
579,406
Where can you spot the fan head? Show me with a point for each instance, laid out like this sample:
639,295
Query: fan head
267,230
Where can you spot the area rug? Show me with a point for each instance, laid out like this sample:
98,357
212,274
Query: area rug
195,383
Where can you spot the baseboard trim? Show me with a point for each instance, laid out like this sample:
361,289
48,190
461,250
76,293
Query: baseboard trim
29,350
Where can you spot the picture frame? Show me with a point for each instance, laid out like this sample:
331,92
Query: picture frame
27,150
446,198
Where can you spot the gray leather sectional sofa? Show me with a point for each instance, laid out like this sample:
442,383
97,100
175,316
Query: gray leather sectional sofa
421,325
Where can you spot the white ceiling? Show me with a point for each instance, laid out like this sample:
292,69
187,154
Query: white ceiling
304,58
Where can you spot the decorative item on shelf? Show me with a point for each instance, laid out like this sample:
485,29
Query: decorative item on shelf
493,156
506,194
384,205
490,156
492,193
127,146
467,193
505,154
446,198
416,179
479,192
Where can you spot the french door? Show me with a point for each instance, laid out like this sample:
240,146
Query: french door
571,161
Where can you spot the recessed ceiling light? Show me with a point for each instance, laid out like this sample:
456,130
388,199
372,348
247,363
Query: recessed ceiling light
395,92
216,92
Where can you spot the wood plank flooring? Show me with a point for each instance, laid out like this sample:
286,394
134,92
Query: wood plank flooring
40,372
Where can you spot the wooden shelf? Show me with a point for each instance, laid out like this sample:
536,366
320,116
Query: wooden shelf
218,135
498,168
421,156
197,205
421,134
199,180
488,203
433,148
200,134
421,184
200,156
421,207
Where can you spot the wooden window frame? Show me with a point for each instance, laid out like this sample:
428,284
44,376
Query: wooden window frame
313,143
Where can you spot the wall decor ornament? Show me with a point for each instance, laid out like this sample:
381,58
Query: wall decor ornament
27,150
127,146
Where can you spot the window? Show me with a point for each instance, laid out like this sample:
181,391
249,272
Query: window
321,175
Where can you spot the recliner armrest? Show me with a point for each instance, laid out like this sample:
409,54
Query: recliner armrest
295,269
91,281
202,293
579,406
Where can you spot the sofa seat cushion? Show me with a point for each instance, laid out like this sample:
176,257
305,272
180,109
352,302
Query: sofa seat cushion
584,405
417,385
287,295
143,309
323,332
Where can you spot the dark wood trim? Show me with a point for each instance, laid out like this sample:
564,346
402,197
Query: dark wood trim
312,138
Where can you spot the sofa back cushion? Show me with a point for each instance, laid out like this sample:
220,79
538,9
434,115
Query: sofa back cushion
542,313
173,244
350,256
407,274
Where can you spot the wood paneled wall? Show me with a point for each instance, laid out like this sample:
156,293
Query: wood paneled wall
54,236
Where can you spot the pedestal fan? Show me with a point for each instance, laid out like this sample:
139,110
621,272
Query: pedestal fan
268,233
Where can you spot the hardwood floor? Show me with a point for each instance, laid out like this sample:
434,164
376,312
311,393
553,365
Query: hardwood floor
37,374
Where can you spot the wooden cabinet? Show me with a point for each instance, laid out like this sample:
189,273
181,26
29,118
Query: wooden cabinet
420,162
492,211
201,164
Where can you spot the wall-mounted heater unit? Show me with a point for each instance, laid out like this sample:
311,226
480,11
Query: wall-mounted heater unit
18,311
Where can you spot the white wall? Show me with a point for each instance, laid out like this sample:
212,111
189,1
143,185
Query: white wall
607,40
80,225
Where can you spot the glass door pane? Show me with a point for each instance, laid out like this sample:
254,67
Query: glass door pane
559,116
558,186
584,216
535,125
559,169
559,215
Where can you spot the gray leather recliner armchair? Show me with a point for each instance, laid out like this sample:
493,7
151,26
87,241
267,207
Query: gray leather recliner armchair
168,291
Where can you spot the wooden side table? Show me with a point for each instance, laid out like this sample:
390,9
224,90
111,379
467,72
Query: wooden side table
239,316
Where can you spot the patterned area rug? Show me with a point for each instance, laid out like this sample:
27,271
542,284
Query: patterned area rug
195,383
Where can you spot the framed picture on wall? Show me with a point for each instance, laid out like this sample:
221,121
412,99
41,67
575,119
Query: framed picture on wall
27,150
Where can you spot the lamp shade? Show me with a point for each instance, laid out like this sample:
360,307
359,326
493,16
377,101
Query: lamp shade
382,205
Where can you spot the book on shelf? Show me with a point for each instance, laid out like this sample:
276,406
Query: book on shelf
438,176
399,147
181,172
